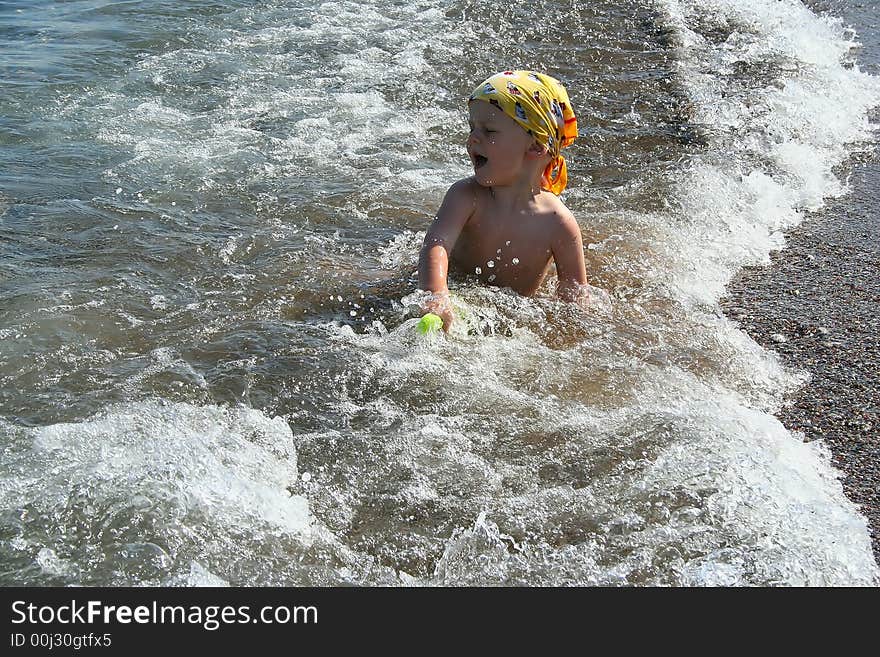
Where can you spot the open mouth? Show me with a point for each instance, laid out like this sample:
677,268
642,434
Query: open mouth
479,160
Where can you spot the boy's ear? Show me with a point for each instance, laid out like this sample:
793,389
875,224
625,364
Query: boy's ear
536,149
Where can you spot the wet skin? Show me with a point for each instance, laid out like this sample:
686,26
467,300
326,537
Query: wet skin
499,224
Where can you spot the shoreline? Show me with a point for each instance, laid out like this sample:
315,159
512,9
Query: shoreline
817,305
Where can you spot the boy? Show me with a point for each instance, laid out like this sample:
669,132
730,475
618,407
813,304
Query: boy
506,223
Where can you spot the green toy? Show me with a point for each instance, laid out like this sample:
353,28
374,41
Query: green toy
429,323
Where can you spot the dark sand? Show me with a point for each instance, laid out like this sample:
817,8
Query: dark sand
818,306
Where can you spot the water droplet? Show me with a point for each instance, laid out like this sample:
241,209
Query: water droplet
353,313
119,190
490,264
306,476
492,278
478,271
515,261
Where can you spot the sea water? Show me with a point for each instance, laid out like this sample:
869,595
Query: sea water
210,216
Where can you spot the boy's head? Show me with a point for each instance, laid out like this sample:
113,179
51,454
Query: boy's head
540,105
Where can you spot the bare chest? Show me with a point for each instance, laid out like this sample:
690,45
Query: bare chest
507,251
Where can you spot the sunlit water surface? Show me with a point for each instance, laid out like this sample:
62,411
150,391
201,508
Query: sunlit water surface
210,215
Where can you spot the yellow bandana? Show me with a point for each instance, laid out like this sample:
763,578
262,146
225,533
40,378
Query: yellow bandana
540,104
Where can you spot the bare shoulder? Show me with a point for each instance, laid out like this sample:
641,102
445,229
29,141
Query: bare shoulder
459,205
460,199
464,189
562,220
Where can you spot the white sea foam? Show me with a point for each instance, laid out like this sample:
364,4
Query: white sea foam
776,136
663,478
540,444
161,484
275,120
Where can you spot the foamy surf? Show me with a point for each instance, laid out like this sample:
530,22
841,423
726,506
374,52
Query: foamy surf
584,490
234,392
162,494
783,105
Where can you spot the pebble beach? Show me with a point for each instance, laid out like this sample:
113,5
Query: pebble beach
816,306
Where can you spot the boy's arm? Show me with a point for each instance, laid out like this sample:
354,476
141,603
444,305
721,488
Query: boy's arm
568,253
457,207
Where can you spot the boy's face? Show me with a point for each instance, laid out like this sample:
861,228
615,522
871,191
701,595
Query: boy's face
497,145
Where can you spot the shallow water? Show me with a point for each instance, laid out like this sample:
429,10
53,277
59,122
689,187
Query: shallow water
210,218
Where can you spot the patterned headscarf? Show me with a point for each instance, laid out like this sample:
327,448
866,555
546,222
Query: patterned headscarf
540,104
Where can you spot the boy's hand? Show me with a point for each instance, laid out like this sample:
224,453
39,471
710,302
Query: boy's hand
438,303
